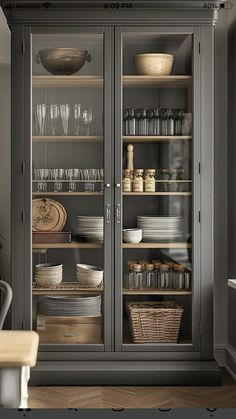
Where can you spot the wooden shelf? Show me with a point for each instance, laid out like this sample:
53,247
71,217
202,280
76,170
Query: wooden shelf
156,292
72,245
154,138
67,81
66,288
156,246
157,193
157,81
66,138
67,193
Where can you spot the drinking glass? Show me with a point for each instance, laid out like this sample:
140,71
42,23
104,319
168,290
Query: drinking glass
87,119
53,117
77,118
65,115
41,175
57,175
72,175
40,118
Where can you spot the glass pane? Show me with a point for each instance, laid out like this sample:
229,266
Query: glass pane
157,188
67,187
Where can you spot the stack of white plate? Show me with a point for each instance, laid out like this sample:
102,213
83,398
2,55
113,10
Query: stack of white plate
160,228
71,306
89,275
48,274
90,228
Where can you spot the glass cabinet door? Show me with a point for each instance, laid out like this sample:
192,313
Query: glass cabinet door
156,230
71,274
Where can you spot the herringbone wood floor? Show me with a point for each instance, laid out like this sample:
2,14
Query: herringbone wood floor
135,397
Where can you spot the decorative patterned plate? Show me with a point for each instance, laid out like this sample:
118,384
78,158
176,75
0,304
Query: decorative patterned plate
48,215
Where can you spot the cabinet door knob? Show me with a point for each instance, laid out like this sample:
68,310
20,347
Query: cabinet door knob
117,185
107,185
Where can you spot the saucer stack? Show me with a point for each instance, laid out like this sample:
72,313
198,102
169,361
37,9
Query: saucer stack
90,228
159,229
70,306
89,275
48,274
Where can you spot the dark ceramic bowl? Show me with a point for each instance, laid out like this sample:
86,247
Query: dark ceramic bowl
63,61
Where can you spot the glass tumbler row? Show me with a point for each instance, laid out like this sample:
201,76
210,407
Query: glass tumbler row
88,178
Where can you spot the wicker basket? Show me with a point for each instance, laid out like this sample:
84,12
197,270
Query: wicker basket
155,321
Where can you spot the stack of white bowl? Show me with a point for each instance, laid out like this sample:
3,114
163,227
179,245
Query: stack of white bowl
48,274
89,275
90,228
132,235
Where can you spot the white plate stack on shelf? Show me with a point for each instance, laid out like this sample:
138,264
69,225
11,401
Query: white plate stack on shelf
89,275
159,229
48,274
71,306
90,228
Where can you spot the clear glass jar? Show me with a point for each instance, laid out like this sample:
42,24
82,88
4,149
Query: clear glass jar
170,122
144,272
137,114
137,277
164,130
127,282
149,180
150,276
143,123
178,121
131,123
127,185
125,116
138,180
157,266
150,116
179,277
163,276
187,284
157,121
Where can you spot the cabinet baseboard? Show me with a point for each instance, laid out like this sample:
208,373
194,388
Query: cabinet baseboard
126,373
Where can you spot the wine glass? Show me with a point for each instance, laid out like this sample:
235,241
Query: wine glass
77,118
53,117
40,117
87,118
65,115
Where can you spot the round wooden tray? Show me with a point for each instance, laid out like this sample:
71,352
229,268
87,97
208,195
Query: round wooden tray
48,215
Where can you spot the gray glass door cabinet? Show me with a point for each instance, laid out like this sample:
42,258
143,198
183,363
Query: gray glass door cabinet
98,152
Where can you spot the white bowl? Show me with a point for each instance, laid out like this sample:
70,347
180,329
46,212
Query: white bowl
132,235
154,64
48,282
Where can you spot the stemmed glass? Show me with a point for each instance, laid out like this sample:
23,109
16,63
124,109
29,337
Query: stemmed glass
41,175
77,118
65,115
57,175
40,118
72,174
87,118
53,117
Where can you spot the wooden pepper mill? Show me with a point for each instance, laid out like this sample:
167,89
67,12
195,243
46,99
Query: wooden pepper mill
130,157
